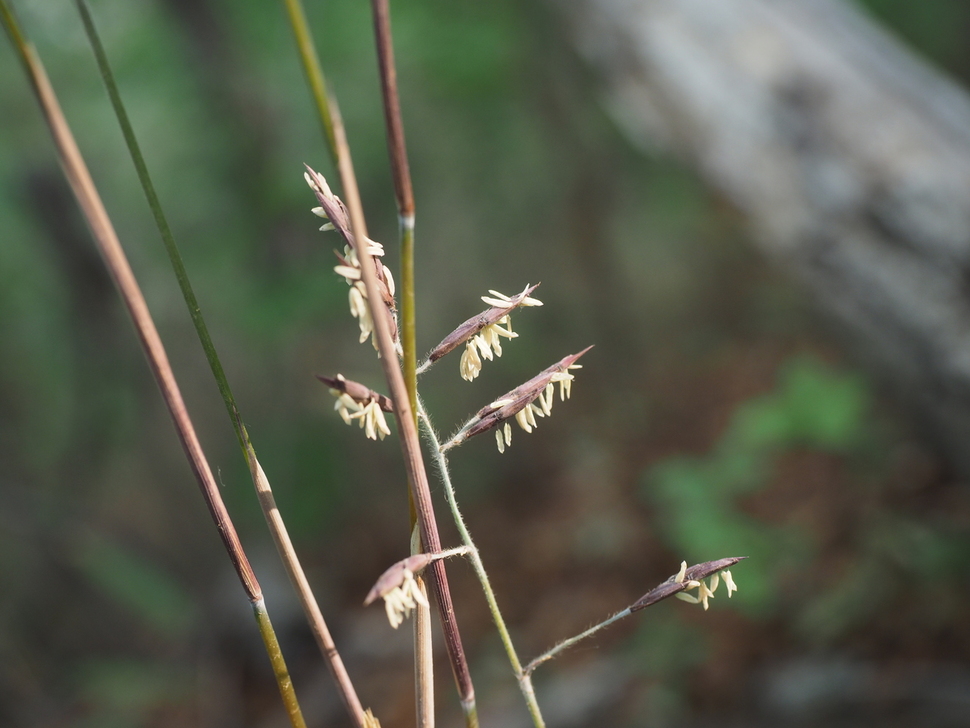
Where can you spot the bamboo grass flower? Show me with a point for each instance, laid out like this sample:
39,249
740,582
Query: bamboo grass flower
520,403
687,578
349,268
693,577
332,208
705,591
500,300
401,600
482,334
357,402
703,594
486,342
398,588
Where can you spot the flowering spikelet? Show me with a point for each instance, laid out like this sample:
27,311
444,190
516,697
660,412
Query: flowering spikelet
357,402
399,589
333,209
402,599
482,334
524,403
482,345
693,578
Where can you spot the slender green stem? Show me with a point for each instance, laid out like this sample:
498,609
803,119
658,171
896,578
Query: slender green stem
523,676
12,27
566,644
174,255
273,518
283,678
313,71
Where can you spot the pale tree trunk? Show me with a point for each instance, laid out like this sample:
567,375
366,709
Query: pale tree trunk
849,155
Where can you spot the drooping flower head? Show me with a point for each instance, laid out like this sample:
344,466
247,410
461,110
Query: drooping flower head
332,208
357,402
399,589
689,578
482,334
400,600
524,403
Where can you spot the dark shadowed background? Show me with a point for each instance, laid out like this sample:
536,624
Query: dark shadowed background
716,416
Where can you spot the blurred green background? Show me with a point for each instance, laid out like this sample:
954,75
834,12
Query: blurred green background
715,416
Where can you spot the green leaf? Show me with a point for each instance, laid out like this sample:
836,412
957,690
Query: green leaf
827,409
137,585
124,690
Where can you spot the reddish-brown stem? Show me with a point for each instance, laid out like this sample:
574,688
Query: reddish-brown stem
392,109
424,679
117,263
405,417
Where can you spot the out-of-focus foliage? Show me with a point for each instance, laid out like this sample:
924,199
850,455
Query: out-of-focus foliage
697,498
118,606
934,28
137,585
824,581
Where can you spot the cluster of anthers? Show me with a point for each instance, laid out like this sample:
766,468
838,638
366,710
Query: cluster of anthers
349,268
705,591
398,587
402,599
526,417
368,416
357,402
332,209
524,403
488,341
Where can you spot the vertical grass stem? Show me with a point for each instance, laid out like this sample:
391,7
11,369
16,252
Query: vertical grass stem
406,422
403,192
267,502
117,263
313,71
523,676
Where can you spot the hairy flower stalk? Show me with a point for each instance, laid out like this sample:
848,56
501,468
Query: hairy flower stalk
525,683
357,402
520,403
686,578
333,209
482,334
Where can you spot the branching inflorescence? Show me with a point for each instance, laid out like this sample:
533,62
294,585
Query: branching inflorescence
373,304
480,337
